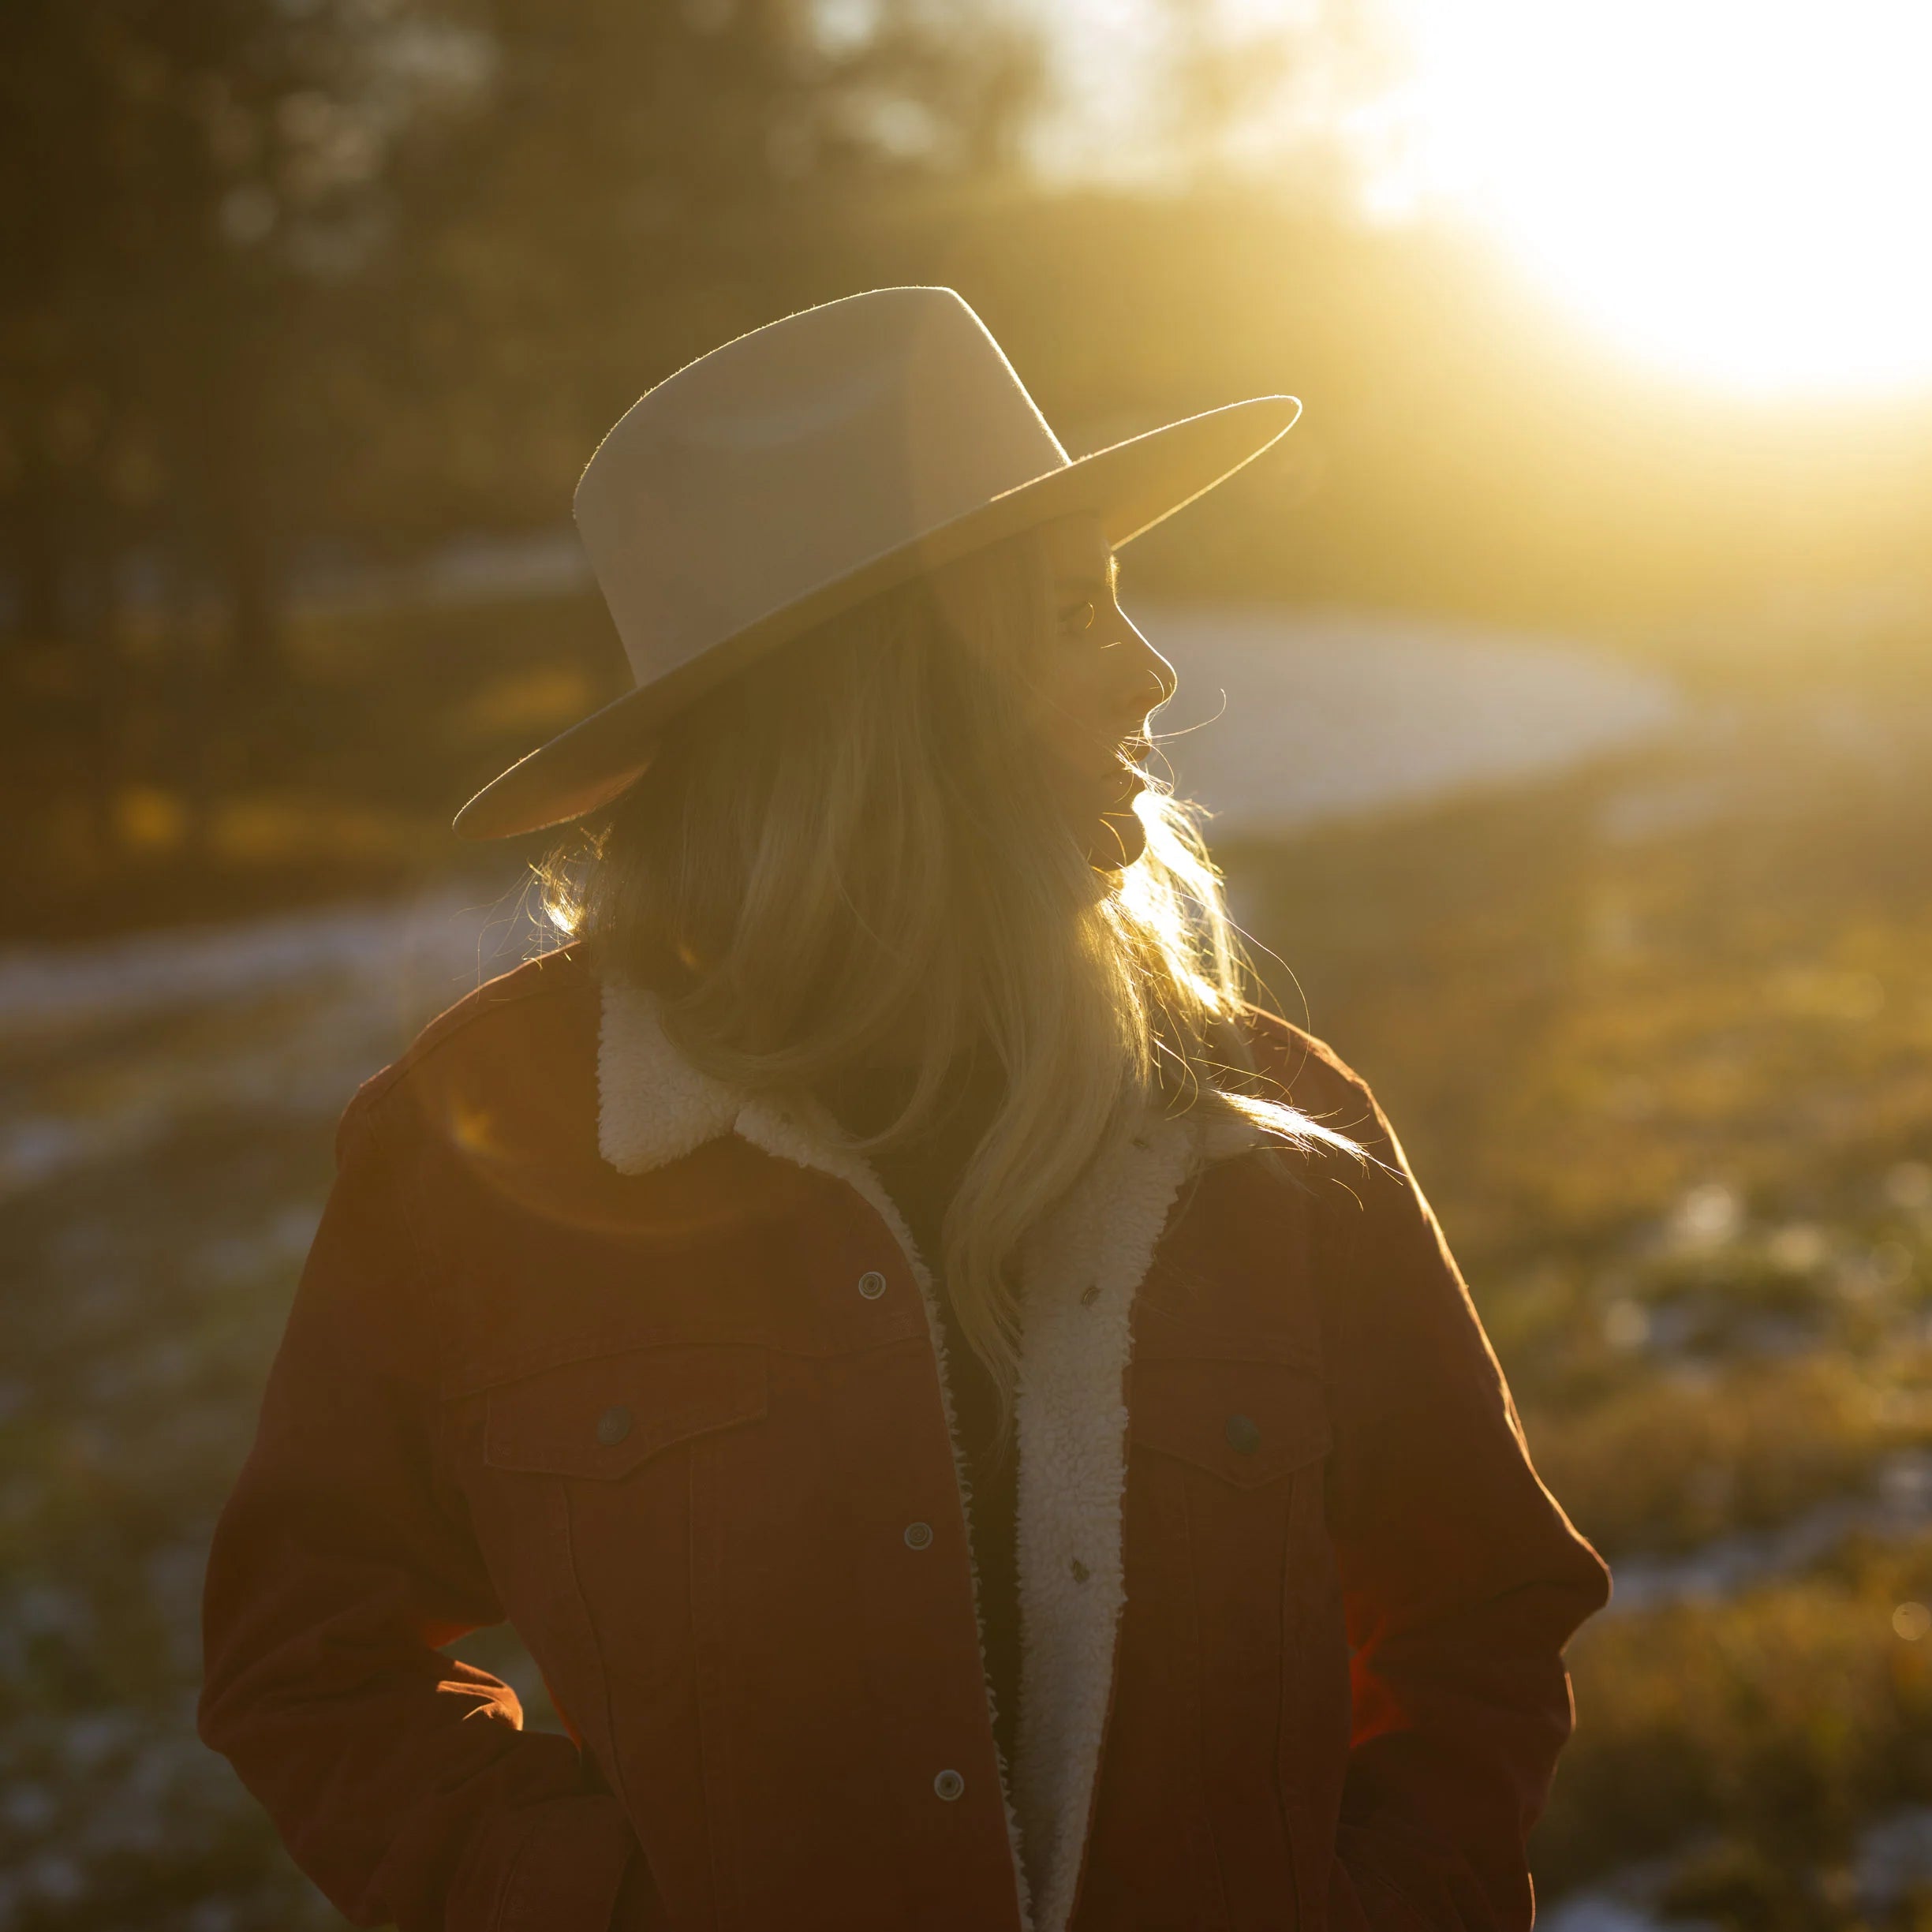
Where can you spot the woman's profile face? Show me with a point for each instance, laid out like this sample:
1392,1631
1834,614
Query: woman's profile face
1101,679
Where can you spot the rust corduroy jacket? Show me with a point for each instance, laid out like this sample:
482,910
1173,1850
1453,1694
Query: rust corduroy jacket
588,1342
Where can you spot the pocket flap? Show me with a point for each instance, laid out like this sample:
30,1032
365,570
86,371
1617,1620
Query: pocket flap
602,1415
1245,1422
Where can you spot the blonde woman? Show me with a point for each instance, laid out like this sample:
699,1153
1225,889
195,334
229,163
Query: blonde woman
974,1421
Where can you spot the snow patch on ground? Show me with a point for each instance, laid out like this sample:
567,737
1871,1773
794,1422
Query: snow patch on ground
1287,718
448,940
1900,1506
107,1051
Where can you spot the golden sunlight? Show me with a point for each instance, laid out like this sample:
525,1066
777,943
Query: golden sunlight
1737,191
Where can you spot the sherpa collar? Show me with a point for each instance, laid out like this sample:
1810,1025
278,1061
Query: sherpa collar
1078,1276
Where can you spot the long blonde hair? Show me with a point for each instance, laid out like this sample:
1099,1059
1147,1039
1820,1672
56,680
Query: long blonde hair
855,846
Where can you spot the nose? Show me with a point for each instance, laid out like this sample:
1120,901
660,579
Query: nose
1147,679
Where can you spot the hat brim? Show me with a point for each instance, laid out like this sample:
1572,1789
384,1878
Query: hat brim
1130,486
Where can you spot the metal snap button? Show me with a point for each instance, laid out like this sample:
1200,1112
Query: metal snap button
871,1284
614,1425
919,1535
1244,1434
948,1785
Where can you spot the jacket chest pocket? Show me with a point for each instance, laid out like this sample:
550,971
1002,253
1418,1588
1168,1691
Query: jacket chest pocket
580,1478
585,1480
1248,1423
601,1419
1229,1457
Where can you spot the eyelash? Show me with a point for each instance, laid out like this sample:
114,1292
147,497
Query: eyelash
1071,618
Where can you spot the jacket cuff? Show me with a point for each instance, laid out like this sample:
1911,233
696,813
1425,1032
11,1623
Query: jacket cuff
562,1871
1360,1900
1395,1882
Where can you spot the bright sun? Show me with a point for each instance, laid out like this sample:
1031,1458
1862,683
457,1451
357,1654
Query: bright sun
1738,190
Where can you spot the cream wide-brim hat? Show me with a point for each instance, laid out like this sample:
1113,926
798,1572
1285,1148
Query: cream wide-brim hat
791,473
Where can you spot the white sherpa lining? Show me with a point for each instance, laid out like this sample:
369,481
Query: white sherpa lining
1079,1278
1079,1275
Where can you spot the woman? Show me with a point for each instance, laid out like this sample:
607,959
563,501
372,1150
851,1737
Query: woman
974,1421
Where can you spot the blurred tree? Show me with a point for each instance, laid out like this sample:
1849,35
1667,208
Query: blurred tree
1266,92
188,197
644,181
286,274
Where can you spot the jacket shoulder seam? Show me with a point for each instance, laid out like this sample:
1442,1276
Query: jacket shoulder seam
1299,1047
377,1092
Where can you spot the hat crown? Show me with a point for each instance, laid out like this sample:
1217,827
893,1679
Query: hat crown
788,458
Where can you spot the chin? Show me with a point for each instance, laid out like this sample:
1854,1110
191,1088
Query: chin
1118,840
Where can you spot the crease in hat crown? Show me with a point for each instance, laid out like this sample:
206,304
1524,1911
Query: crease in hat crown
828,438
803,466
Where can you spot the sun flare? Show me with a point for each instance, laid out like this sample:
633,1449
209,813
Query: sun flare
1736,191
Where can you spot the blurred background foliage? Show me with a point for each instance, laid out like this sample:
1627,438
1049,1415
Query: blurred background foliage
313,310
300,288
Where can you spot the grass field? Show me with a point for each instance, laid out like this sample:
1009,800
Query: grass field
1658,1040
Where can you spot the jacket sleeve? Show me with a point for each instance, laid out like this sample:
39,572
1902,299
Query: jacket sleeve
1462,1577
402,1783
